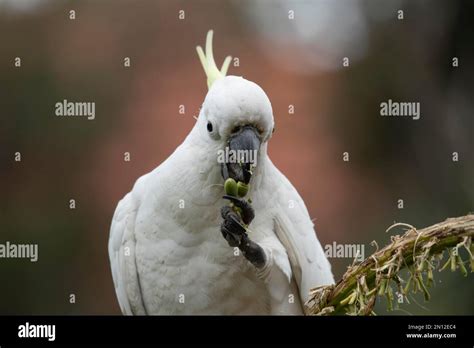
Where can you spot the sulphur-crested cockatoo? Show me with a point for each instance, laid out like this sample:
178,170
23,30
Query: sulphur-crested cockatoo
166,246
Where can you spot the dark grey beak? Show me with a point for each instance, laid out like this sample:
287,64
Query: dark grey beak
243,147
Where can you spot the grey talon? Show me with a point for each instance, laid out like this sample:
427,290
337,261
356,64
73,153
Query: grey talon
248,214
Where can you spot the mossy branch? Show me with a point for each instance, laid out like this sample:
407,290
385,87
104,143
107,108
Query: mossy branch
419,251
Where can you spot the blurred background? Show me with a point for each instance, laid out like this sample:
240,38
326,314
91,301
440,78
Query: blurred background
294,50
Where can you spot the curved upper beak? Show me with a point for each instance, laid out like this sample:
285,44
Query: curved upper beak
244,146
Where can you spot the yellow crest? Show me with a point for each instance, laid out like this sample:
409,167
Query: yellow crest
208,63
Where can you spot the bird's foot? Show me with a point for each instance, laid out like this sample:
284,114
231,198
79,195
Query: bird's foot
252,252
235,233
247,212
232,228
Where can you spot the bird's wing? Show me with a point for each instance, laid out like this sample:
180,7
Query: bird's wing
294,228
122,257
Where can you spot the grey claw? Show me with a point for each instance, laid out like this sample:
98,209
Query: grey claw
252,252
248,214
231,228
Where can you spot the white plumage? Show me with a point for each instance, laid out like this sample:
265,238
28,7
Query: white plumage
166,250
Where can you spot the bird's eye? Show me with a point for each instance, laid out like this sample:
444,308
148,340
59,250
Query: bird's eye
209,127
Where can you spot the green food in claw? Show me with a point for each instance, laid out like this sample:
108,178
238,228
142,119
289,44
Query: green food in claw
242,189
230,187
235,189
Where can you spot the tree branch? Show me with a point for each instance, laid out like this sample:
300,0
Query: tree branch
420,251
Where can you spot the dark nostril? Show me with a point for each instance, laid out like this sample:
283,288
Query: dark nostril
235,129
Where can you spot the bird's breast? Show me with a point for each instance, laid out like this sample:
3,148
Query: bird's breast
185,272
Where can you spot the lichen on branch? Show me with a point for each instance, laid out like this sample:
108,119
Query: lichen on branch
421,252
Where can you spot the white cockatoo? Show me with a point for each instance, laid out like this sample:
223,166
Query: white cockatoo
176,245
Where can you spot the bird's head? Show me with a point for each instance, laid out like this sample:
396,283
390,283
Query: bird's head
236,118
